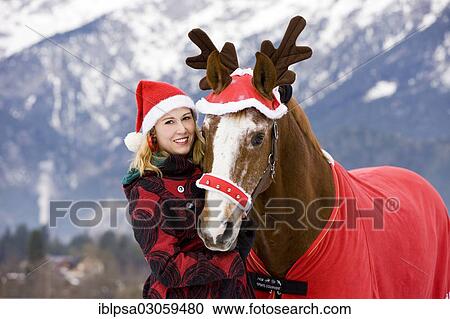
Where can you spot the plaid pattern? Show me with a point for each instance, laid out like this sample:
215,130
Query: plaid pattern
163,213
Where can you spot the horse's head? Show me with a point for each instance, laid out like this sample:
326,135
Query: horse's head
240,128
237,151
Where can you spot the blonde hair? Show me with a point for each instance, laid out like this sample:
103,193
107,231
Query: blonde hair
143,157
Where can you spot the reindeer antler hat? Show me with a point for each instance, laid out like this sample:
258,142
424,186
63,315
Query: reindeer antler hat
235,89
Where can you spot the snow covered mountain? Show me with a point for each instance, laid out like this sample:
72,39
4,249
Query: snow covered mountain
377,88
50,16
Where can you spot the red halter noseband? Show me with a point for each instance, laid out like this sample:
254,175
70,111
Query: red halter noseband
232,191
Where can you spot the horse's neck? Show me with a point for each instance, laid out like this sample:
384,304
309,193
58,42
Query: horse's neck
302,177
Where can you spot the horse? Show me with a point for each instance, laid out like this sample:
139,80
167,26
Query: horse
323,231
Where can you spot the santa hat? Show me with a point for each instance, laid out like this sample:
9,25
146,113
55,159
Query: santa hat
154,99
239,95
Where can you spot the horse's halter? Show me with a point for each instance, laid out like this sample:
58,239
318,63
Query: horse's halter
236,193
269,173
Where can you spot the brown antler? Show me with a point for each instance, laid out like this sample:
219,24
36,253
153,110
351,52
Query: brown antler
226,63
287,53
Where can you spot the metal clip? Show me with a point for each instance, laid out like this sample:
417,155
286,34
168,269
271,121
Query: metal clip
272,171
269,160
271,163
275,130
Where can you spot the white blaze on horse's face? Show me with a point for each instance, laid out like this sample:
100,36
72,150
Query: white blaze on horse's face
231,155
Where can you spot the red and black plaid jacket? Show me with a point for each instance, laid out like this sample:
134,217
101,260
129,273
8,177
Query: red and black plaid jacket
164,213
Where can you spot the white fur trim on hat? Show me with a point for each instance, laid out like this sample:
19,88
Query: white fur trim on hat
133,141
163,107
242,72
206,107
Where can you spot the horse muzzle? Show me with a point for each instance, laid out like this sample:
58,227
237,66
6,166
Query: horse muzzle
226,202
218,237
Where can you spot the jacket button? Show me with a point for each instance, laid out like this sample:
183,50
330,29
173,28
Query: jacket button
180,189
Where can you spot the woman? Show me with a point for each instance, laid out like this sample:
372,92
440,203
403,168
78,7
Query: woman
164,202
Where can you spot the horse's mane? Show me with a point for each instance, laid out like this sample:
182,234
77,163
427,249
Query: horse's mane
300,117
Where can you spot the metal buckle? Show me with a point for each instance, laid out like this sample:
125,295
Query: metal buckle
272,171
271,156
275,130
271,162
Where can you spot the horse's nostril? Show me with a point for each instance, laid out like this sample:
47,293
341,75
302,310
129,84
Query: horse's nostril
227,233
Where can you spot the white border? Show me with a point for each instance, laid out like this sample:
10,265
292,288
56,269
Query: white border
253,308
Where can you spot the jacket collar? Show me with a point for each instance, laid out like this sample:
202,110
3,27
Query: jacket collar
180,166
177,166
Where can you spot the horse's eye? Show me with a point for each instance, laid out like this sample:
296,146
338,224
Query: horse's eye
257,139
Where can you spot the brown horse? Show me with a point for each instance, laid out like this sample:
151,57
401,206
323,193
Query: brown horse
264,160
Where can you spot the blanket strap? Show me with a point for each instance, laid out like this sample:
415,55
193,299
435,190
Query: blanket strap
279,286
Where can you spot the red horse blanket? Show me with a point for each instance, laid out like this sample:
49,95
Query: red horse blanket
388,238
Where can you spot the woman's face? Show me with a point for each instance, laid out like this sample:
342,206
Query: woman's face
175,131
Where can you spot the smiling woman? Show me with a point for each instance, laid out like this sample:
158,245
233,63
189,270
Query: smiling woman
166,117
164,202
176,131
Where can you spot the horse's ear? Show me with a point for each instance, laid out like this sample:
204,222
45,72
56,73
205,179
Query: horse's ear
216,73
264,75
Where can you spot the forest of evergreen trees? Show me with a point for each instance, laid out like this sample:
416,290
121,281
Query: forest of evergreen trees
34,265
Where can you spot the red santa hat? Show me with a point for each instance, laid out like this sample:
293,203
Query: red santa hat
239,95
154,99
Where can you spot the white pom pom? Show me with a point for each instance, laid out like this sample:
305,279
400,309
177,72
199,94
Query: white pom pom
133,141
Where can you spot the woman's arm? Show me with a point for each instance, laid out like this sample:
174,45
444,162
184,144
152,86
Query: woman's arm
172,266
